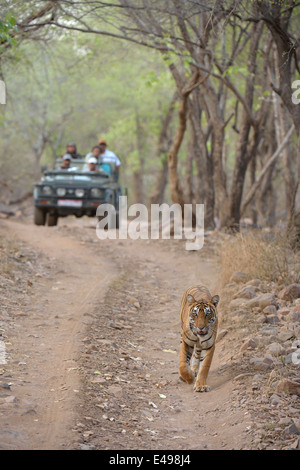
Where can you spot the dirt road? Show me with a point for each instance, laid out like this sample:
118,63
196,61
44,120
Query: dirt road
92,347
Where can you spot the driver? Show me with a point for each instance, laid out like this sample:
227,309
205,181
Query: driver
66,162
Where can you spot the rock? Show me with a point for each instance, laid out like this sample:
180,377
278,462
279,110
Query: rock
285,335
5,385
288,359
221,335
238,276
6,210
296,444
296,344
231,285
276,348
294,316
290,292
272,319
262,301
269,330
258,363
269,360
237,303
86,447
250,343
283,311
247,292
254,282
270,310
241,313
131,311
132,300
115,390
10,400
275,399
257,377
289,386
292,429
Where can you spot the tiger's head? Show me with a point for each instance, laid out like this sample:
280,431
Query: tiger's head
202,314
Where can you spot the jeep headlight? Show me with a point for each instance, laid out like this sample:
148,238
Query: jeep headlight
46,190
96,192
61,191
79,192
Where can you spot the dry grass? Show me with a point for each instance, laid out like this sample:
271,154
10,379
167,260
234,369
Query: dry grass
7,252
263,255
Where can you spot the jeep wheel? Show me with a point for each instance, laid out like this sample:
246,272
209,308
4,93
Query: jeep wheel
52,220
39,216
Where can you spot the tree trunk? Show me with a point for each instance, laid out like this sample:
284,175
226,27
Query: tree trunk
138,174
188,180
278,23
204,191
265,169
164,143
175,186
253,210
215,162
242,156
157,195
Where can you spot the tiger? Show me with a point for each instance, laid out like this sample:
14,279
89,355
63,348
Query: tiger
199,323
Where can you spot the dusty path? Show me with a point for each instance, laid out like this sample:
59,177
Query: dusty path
91,370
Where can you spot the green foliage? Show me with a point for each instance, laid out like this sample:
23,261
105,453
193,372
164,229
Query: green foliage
7,26
81,89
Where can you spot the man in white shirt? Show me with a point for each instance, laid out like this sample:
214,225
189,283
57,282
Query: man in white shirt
107,156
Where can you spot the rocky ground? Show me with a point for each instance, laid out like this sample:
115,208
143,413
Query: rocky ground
115,384
269,321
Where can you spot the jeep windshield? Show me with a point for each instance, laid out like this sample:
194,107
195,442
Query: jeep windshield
76,175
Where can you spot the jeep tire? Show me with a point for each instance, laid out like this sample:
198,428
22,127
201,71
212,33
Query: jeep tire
52,220
39,216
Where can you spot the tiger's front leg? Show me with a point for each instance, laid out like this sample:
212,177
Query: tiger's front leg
184,363
195,361
201,381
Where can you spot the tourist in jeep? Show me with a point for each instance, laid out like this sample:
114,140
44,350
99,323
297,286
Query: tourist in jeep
92,165
107,156
71,149
96,150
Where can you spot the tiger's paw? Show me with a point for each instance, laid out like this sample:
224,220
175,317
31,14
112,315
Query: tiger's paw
186,375
201,388
188,380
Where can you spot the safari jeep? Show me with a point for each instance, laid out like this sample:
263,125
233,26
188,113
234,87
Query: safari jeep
75,191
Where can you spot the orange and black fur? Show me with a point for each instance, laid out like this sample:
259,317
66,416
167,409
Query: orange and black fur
199,323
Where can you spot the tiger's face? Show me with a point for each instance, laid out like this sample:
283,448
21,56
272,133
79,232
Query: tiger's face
202,315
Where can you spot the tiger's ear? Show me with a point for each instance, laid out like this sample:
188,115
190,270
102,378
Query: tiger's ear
190,299
215,300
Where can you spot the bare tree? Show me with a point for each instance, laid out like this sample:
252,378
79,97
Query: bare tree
201,43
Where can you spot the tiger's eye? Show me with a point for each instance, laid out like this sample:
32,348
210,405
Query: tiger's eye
207,311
